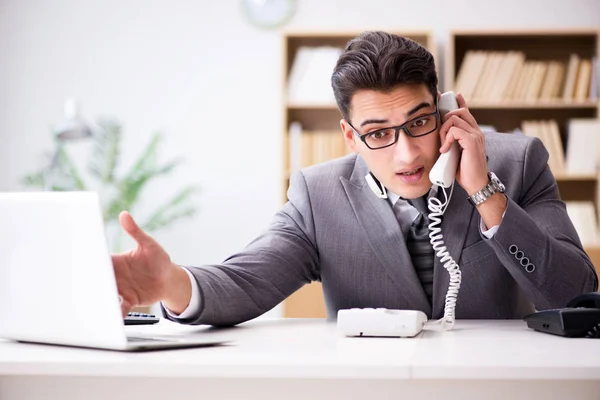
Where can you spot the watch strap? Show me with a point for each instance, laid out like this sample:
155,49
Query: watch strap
493,186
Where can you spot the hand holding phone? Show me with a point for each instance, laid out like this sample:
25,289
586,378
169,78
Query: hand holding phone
444,170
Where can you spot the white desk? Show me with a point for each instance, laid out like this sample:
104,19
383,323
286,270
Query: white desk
307,359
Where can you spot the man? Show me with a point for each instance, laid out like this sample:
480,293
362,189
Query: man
517,250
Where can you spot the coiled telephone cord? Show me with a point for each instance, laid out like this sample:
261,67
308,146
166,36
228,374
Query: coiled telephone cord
437,209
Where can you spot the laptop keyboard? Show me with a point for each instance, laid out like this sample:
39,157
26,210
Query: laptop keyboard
135,318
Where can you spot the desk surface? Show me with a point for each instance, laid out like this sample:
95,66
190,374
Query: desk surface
308,348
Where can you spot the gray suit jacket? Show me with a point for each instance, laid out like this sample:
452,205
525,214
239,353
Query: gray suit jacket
335,230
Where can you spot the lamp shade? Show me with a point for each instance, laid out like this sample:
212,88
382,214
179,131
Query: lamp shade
72,127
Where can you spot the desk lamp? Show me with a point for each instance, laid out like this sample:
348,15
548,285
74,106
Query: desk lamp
71,128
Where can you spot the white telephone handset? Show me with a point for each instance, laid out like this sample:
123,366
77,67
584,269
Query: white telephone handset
444,169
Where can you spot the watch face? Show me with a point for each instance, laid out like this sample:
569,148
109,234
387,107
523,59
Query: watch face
497,182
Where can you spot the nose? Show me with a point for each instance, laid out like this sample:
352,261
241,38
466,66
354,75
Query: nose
406,149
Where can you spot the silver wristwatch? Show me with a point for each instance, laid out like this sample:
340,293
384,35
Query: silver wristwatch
492,187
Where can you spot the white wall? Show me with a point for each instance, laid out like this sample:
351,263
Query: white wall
197,71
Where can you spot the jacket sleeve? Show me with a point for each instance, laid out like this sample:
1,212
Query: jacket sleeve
267,271
537,242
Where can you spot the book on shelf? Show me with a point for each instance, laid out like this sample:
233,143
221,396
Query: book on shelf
470,72
548,132
582,83
515,73
535,86
309,147
309,81
551,88
295,144
571,68
595,80
504,76
487,77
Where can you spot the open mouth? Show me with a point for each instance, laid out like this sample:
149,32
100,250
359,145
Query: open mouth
412,177
412,172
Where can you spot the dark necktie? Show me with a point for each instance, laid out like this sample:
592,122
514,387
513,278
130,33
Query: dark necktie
419,246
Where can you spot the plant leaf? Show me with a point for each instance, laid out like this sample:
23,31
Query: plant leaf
144,170
147,159
171,210
168,219
35,179
68,171
106,151
124,192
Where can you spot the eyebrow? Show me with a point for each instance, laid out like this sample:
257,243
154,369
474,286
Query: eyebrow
408,114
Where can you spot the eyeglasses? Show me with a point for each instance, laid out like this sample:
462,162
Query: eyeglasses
416,127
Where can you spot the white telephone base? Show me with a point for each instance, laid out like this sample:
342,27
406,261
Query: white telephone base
380,322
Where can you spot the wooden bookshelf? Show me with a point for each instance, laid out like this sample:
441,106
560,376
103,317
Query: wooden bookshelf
507,114
542,104
317,116
504,115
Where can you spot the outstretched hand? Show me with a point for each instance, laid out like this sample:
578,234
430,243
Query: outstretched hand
142,273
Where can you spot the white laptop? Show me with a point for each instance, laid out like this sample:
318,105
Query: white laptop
57,283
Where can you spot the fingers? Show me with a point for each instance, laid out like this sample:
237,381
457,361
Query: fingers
462,103
463,112
466,116
453,129
451,137
125,307
122,276
133,230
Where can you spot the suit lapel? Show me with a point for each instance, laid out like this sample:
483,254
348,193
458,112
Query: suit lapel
383,232
455,225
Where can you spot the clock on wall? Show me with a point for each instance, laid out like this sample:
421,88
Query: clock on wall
269,14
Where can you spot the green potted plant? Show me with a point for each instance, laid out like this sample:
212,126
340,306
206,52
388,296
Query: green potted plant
117,193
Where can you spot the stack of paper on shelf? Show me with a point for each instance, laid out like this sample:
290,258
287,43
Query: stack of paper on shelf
583,216
309,81
582,145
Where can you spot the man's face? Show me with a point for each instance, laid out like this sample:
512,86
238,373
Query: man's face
403,168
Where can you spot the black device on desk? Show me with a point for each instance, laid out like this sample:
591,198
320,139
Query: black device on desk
137,318
581,318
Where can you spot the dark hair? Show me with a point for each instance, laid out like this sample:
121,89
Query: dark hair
381,61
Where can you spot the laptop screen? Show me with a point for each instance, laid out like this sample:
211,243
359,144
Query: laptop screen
57,283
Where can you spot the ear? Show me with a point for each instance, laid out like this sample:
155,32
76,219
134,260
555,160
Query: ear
349,136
